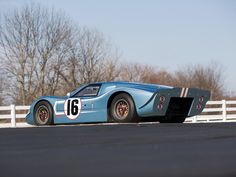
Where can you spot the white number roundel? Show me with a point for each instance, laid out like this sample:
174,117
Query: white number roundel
72,108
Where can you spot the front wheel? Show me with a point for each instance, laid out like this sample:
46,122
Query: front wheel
122,109
43,113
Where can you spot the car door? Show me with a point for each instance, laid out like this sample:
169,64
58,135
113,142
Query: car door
79,107
87,96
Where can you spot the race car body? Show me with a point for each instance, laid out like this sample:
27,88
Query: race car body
119,102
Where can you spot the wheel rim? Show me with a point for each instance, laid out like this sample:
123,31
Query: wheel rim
121,109
42,114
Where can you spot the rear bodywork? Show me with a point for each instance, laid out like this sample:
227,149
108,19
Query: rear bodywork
150,101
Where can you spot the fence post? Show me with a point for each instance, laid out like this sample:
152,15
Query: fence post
13,115
224,110
194,120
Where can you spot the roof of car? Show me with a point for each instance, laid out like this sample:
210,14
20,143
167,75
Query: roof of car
134,84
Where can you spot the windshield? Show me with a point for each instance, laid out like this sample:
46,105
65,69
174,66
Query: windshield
78,89
88,91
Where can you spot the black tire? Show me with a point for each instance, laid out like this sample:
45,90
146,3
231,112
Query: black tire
174,119
122,109
43,113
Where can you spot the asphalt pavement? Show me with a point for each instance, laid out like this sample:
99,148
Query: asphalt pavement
158,150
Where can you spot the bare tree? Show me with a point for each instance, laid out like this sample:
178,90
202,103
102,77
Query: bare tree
145,73
44,53
134,72
33,46
2,90
95,56
204,77
161,76
110,69
92,59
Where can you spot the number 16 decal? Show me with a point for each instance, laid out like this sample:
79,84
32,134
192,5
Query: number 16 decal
72,108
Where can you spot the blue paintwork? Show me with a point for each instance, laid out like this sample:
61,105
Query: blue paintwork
94,109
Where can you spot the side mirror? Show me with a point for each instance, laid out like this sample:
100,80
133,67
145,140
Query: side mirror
68,94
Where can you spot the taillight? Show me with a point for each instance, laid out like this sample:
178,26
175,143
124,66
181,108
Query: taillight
160,106
200,102
162,99
199,107
161,102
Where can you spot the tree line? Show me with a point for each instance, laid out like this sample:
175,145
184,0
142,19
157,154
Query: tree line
43,53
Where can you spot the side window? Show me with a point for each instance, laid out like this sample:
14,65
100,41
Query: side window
89,91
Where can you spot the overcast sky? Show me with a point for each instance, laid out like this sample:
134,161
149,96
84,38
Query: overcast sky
167,34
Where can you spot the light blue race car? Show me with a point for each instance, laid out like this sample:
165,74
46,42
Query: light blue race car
119,102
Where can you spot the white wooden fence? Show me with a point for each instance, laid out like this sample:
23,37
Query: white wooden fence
215,111
10,112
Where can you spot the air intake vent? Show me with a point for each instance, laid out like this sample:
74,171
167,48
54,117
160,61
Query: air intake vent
179,106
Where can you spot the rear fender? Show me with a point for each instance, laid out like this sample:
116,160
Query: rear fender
159,103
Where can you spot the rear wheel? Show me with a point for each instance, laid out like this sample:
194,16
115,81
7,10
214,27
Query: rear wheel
122,109
43,113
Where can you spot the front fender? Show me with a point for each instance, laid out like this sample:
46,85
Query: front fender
30,115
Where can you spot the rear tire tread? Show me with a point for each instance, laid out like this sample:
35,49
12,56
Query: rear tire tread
132,114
